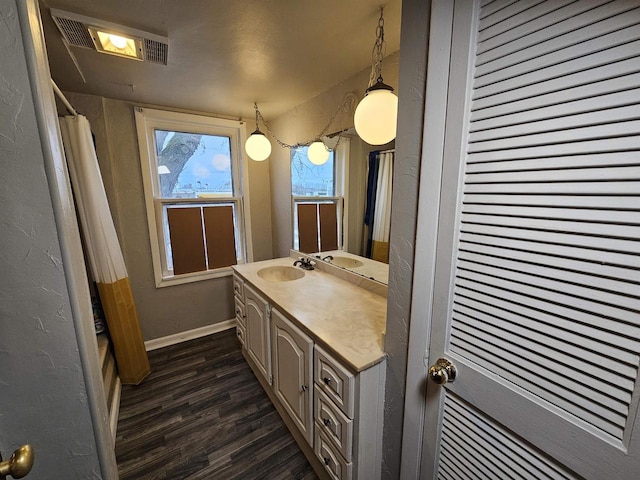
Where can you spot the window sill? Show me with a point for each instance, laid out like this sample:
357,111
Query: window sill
170,280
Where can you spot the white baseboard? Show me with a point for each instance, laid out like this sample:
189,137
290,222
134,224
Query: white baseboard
115,409
189,335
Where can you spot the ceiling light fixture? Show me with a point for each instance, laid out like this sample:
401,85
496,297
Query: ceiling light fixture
377,113
111,38
116,43
258,147
318,153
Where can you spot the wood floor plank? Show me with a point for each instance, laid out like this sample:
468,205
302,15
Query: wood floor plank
202,415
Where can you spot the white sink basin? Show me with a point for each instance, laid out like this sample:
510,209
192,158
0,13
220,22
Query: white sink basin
280,274
346,262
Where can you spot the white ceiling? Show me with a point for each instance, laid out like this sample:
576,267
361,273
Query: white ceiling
226,54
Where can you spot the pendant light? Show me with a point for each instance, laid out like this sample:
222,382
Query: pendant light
377,113
257,146
318,153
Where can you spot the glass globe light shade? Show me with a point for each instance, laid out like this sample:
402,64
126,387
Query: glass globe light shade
317,153
118,41
376,116
257,146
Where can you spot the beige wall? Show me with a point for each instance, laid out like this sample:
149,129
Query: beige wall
300,125
174,309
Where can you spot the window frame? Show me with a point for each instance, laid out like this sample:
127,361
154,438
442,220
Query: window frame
147,122
339,197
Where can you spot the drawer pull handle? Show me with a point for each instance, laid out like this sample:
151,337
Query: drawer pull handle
327,461
326,380
326,421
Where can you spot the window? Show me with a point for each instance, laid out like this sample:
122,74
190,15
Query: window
192,182
317,201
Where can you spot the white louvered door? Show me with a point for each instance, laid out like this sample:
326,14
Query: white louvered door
537,297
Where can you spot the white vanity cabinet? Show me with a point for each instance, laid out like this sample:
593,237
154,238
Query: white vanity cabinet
292,354
348,414
315,345
258,341
238,299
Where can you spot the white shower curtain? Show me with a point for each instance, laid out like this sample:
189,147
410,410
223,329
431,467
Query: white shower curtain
103,250
382,216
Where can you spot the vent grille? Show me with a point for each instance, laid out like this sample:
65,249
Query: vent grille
75,30
155,52
75,33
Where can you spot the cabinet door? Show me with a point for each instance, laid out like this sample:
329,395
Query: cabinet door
257,320
292,355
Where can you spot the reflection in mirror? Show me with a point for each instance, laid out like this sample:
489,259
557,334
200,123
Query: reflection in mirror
352,194
366,267
367,199
377,217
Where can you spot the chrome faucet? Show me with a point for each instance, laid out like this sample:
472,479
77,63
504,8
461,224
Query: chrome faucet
328,258
304,263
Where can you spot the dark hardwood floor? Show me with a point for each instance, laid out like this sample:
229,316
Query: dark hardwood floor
202,414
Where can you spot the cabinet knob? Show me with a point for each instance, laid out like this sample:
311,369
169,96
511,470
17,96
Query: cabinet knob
303,388
326,421
327,461
326,380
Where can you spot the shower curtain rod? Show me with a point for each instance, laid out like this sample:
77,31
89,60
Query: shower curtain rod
63,99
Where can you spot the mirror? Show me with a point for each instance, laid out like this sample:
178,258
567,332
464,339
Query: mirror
366,214
370,236
366,267
367,208
364,173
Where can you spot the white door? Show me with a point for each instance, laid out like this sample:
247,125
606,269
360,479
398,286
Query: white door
292,363
51,393
258,331
537,273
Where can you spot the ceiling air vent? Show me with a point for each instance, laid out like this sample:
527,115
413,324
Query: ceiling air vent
155,51
76,30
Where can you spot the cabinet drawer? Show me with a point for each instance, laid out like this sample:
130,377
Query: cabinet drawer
241,333
335,381
238,288
335,465
241,316
333,423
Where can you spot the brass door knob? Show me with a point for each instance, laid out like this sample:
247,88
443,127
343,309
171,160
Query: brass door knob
19,464
442,372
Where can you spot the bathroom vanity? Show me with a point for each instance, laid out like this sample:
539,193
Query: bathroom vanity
314,340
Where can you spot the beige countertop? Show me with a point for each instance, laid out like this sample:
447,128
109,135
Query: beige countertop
346,319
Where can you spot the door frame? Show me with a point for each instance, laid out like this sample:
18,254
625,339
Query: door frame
418,456
73,263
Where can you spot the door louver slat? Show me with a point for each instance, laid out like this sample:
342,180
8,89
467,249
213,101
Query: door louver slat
566,23
602,18
526,14
489,450
608,48
558,100
547,280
